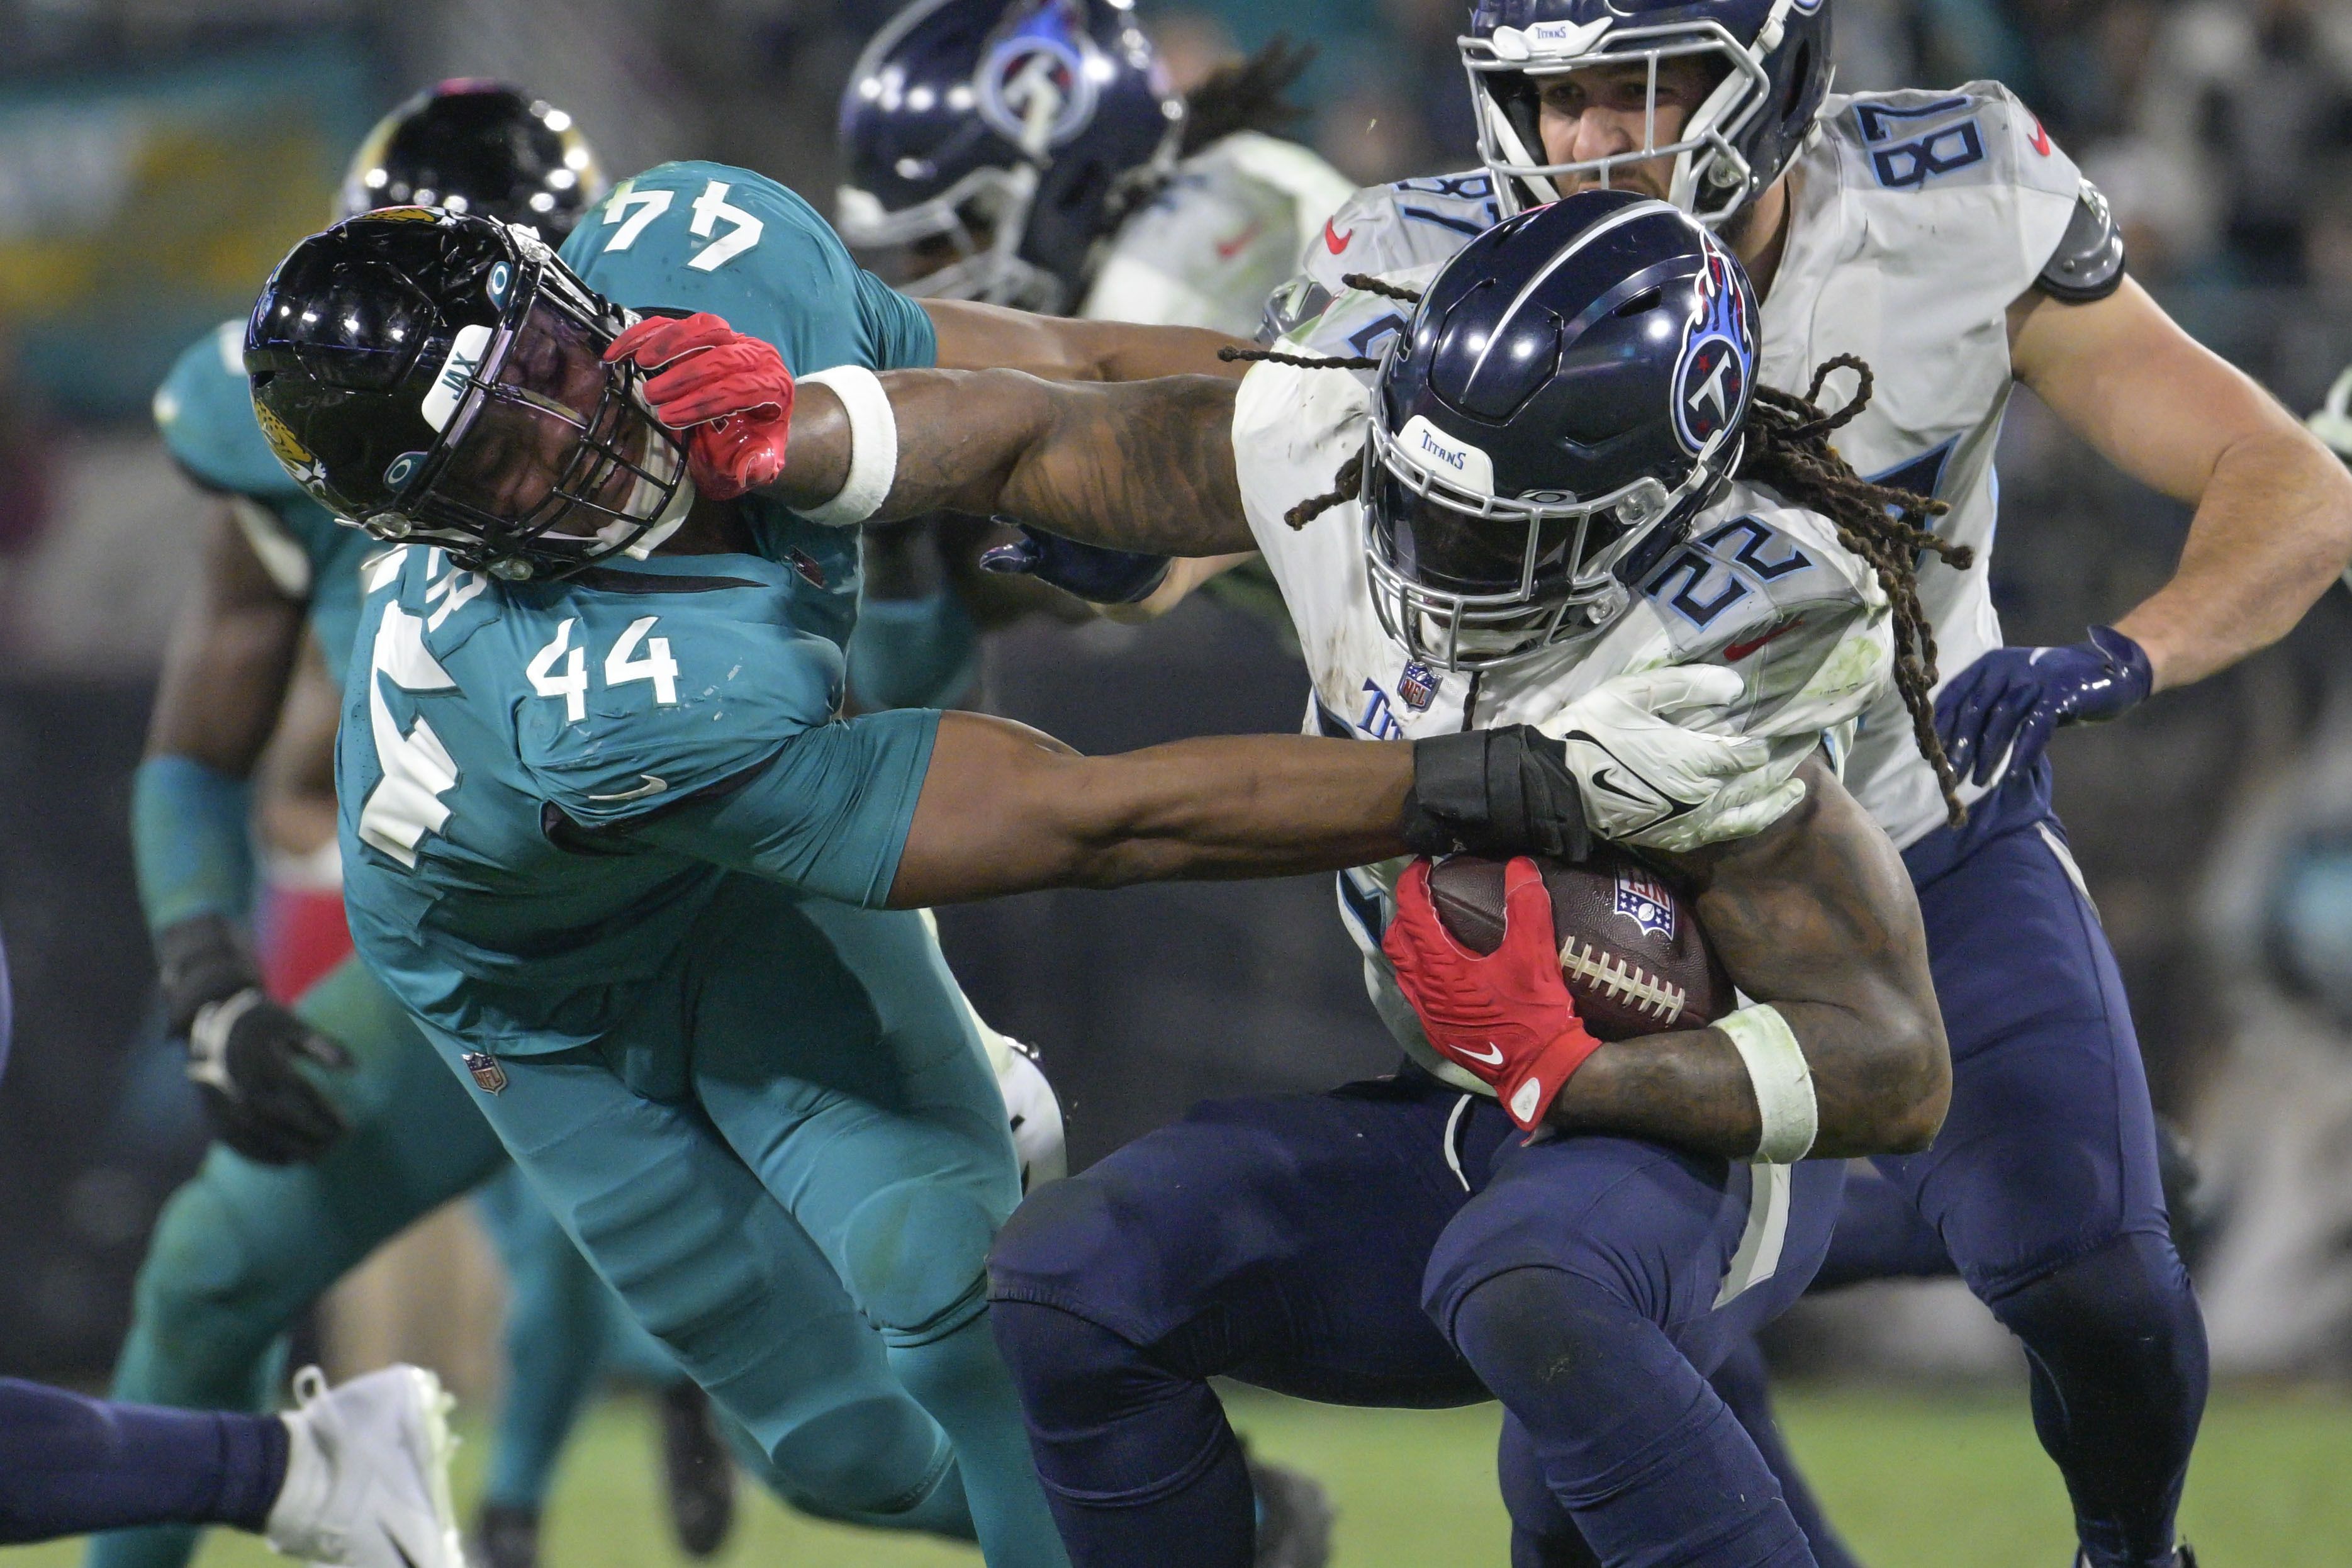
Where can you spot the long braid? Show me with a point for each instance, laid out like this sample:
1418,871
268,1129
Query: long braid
1789,449
1348,483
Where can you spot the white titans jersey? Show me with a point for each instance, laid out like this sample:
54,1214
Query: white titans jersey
1226,233
1916,219
1761,588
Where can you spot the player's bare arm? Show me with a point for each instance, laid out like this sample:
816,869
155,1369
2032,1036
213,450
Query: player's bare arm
231,654
1143,466
973,336
2274,522
1006,809
1815,916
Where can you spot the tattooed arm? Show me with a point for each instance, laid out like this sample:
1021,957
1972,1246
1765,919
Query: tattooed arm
1816,916
1145,465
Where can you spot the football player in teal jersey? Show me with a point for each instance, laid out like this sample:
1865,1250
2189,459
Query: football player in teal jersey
608,843
320,1109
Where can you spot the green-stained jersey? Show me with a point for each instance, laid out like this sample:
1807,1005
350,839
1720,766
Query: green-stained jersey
683,238
203,411
543,785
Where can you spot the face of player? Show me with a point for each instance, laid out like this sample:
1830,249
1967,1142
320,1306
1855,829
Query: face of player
1600,112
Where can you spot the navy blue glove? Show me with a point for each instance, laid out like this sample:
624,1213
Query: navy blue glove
2011,698
1091,573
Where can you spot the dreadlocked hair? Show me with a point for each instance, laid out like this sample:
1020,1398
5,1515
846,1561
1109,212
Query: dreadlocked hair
1241,95
1789,449
1348,483
1246,95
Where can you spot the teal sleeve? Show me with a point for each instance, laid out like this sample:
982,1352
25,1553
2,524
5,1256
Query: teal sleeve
900,329
913,653
191,840
829,814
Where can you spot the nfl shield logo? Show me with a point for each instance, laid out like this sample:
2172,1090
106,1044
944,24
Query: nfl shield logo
1642,899
1417,686
492,1078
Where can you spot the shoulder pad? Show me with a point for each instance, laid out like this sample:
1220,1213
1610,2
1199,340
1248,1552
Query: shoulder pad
203,411
1405,224
2089,261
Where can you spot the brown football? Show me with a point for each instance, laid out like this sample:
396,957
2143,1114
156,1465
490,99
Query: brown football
1630,945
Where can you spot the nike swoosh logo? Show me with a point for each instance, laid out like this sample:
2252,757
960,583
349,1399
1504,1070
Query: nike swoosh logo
1334,238
1229,248
1736,651
1493,1058
651,786
1600,780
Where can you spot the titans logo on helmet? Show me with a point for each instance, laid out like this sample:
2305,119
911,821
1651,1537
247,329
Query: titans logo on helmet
1711,379
1034,87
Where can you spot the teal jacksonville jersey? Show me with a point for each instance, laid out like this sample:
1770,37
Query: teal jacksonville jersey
691,236
203,411
543,785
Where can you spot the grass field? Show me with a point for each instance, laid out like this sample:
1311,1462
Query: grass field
1919,1479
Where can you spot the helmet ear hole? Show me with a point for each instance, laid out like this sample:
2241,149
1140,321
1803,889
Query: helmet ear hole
1646,300
1798,78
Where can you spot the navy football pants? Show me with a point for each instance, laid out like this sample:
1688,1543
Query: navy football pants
1395,1243
2044,1187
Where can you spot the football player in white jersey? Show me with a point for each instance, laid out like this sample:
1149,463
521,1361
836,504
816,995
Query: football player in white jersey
1942,238
1576,510
1031,153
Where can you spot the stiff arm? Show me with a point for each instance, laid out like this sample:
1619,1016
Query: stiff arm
1145,466
1816,916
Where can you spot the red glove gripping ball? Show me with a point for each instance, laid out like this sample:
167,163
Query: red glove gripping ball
1506,1017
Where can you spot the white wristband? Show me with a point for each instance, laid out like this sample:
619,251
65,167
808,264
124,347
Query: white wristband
1784,1083
873,445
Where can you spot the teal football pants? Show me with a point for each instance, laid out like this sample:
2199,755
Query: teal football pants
563,1331
789,1162
243,1248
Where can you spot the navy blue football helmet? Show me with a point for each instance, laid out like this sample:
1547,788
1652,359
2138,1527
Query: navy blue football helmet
1776,61
482,147
1571,390
988,143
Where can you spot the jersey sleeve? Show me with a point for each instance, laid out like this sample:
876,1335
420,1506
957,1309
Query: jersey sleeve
828,812
629,707
1769,595
203,411
1965,182
899,328
696,236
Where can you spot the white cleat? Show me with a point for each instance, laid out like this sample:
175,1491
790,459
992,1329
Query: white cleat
1035,1117
367,1473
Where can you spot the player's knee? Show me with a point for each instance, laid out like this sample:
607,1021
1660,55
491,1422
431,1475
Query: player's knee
1538,1321
1054,1246
915,1256
1069,1371
870,1456
203,1288
2125,1308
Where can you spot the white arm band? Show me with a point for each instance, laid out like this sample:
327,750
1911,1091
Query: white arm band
1784,1084
873,445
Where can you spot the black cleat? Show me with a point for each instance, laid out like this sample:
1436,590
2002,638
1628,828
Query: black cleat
695,1463
505,1536
1294,1517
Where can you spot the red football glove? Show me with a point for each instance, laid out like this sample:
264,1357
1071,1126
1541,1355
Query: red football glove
729,393
1506,1017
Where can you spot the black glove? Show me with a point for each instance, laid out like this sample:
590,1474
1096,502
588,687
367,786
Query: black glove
1093,573
1496,792
243,1048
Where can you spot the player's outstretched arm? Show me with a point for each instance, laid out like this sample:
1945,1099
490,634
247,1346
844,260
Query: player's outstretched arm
1142,466
1813,915
973,336
2274,522
1006,809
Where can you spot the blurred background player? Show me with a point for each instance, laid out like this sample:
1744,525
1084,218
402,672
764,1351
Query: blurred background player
1942,238
337,1126
1031,153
